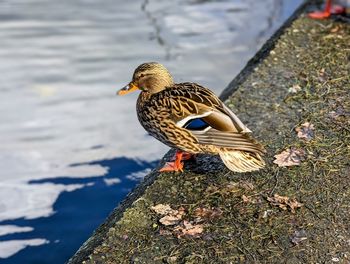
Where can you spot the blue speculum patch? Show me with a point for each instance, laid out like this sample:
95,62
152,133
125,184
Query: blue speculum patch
196,124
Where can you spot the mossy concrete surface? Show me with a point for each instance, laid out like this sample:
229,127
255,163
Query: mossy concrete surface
313,58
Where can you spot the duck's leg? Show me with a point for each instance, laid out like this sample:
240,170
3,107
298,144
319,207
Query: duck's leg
185,155
177,164
328,10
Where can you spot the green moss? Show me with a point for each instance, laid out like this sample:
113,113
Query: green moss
314,55
137,217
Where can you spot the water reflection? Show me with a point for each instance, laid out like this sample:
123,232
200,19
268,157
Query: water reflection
77,210
61,63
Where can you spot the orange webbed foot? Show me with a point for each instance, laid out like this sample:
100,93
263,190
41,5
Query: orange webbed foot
172,166
319,15
176,164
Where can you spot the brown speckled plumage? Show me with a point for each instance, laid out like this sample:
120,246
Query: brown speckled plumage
166,110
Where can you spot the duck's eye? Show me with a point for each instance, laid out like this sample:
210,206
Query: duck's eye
142,75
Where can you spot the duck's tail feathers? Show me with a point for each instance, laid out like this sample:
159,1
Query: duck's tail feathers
241,161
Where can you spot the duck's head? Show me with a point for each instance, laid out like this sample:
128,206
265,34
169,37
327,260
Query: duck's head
149,77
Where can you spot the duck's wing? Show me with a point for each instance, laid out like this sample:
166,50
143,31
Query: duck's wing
198,110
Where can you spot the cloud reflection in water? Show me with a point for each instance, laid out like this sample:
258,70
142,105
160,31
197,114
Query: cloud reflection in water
75,211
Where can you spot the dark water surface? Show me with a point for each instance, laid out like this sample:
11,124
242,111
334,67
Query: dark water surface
70,149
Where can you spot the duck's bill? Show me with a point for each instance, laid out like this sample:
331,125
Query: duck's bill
127,89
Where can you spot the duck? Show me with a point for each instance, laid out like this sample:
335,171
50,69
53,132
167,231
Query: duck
191,119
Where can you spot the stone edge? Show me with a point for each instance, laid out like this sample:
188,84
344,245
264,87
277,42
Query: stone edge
97,237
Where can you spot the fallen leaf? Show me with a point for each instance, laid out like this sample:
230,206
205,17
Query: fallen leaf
294,204
305,131
164,232
170,216
189,229
298,236
295,88
170,220
289,157
279,201
203,213
284,202
163,209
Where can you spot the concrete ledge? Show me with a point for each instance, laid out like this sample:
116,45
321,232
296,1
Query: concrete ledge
250,228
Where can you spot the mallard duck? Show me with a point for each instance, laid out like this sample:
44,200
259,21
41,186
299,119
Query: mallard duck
191,119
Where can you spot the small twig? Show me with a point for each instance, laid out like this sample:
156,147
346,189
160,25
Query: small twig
276,177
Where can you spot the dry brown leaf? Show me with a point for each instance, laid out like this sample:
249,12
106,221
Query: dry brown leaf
170,220
163,209
203,213
294,204
284,202
305,131
289,157
170,216
189,229
280,201
295,88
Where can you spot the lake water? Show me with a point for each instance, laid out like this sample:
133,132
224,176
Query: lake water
70,150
